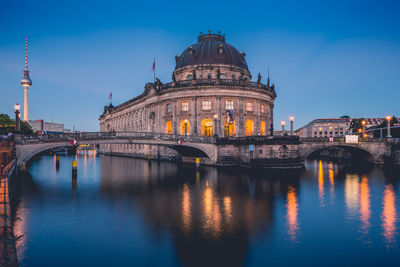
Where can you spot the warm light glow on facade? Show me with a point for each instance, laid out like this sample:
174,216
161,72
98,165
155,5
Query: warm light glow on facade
249,128
262,128
168,127
207,127
183,122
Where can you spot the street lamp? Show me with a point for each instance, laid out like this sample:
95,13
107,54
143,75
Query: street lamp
283,126
215,125
388,117
17,120
186,121
291,124
363,127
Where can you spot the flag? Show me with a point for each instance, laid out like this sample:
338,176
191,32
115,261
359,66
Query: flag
73,142
230,116
110,96
154,65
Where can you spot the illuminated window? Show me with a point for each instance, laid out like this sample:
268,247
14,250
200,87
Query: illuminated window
207,127
229,105
168,108
249,106
185,106
168,127
262,108
185,127
206,105
249,128
262,128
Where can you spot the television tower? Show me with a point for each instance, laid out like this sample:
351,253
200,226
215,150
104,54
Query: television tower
26,82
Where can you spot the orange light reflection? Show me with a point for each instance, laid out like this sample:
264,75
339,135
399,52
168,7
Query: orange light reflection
389,216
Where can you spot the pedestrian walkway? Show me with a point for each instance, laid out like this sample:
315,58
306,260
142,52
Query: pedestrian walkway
7,239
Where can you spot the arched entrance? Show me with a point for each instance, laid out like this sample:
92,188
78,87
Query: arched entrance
229,128
168,127
185,127
262,128
207,127
249,128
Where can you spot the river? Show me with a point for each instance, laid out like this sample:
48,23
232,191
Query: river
129,212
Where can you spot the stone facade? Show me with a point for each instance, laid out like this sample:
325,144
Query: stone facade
206,88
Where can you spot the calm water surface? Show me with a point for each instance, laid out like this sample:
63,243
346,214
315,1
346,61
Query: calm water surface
126,212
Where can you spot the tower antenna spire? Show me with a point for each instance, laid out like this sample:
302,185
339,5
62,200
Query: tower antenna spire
26,52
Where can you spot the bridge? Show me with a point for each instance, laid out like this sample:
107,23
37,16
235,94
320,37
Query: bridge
264,151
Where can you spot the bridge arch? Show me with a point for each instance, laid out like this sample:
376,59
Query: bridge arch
356,152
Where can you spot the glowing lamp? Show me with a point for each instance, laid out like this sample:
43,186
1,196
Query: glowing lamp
17,107
363,122
283,123
291,118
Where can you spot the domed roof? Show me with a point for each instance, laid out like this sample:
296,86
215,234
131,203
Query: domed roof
211,49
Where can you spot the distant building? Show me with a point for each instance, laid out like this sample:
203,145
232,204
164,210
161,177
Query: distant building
373,121
41,126
325,128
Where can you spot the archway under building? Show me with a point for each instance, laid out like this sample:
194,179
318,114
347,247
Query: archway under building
168,127
185,127
249,128
229,128
207,128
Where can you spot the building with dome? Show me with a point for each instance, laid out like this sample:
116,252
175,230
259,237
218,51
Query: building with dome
211,94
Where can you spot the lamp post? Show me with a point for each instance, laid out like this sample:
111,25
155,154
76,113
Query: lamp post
186,121
363,127
388,118
283,127
17,120
215,125
291,124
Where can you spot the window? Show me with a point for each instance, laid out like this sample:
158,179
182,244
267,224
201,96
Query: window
249,106
229,105
168,108
262,108
185,106
233,77
209,76
206,105
189,77
222,76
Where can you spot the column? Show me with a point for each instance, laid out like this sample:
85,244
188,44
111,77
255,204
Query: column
220,118
175,114
194,120
241,117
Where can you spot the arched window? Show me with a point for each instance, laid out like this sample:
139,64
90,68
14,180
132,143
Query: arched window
229,128
185,127
249,128
222,76
189,77
207,127
262,128
168,127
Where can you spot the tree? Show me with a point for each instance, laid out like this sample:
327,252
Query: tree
355,125
345,117
8,125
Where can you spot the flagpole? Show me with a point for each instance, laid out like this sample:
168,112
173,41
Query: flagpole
154,72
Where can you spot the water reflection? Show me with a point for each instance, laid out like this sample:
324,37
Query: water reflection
352,192
389,216
292,211
167,214
365,209
321,193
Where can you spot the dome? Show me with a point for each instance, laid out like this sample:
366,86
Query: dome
211,49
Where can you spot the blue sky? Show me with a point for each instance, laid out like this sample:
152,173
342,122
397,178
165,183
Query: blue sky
326,58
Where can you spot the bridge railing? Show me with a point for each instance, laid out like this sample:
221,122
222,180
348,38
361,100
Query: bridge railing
342,140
